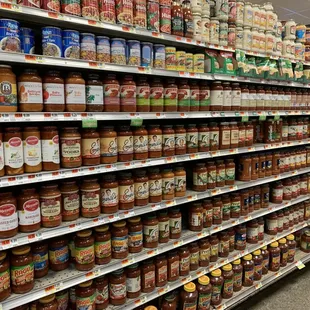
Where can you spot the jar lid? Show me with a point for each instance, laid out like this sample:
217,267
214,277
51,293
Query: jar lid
216,273
264,248
135,219
247,257
274,244
86,284
119,271
237,262
190,287
227,267
136,265
21,250
2,255
84,233
257,252
150,308
204,280
119,224
102,228
47,299
290,237
282,241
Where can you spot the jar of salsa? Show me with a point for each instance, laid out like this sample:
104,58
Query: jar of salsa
217,211
117,287
220,173
108,145
211,174
217,97
135,234
217,282
109,196
230,168
119,240
28,205
225,133
126,191
40,259
5,287
235,205
140,143
214,136
179,181
90,198
184,255
133,282
102,292
150,232
125,144
70,200
183,96
50,148
200,177
103,251
203,138
147,276
22,270
161,269
207,213
90,147
244,173
85,294
155,185
154,141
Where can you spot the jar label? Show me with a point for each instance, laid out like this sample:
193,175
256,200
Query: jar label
83,303
91,148
238,279
141,190
150,233
75,94
204,301
211,176
109,197
53,93
275,261
174,269
108,147
204,254
102,295
135,239
204,139
50,208
22,274
214,249
171,96
50,150
184,263
13,153
71,203
236,98
220,175
40,261
162,274
30,214
252,233
272,224
192,140
59,255
90,201
149,280
133,284
1,155
180,141
180,184
194,258
94,95
5,280
140,144
175,225
249,276
155,187
234,137
195,93
125,144
120,244
200,178
163,230
184,97
168,142
196,219
154,143
128,95
157,96
224,246
168,186
30,92
214,138
103,249
217,98
226,208
291,253
126,193
143,95
111,94
70,150
117,291
228,286
216,294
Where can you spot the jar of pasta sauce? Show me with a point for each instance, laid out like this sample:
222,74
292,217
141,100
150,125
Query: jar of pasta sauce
58,254
140,143
50,148
135,234
125,144
103,249
109,196
111,92
154,141
128,95
84,250
90,198
117,287
70,200
85,296
108,145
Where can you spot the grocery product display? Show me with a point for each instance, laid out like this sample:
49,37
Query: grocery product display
153,153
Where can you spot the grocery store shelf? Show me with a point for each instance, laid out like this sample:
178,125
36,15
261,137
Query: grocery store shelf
108,116
301,258
45,176
144,298
55,282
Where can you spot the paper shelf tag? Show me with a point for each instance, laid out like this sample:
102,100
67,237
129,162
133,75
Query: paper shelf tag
89,123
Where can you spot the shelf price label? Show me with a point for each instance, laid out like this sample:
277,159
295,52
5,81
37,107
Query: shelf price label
300,265
127,262
141,301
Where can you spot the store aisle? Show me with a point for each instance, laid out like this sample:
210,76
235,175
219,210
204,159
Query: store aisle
290,293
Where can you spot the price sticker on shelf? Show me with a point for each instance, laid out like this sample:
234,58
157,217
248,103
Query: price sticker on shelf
89,123
258,285
276,117
244,118
177,244
152,253
163,290
141,301
136,121
262,117
128,261
300,265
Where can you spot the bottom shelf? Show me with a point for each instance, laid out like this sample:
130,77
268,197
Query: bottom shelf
301,259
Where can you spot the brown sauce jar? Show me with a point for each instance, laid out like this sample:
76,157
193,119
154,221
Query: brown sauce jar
125,144
155,185
90,147
109,194
126,191
90,198
135,234
32,149
133,283
103,249
140,143
50,148
119,240
141,188
70,200
84,250
154,141
108,145
168,141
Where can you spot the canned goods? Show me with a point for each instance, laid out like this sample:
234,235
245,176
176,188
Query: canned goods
51,41
146,54
153,16
133,53
107,11
71,44
139,14
199,63
165,19
27,40
71,7
33,4
50,5
118,51
103,49
124,12
9,35
170,58
159,56
90,9
180,60
189,62
88,46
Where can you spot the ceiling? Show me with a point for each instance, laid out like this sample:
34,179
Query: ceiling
299,10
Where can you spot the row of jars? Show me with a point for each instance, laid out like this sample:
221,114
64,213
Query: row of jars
87,249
